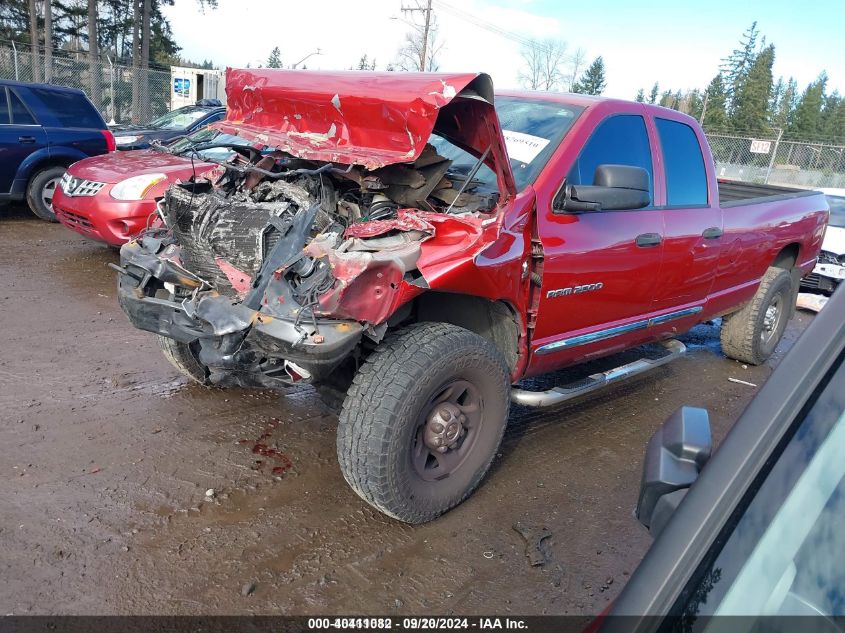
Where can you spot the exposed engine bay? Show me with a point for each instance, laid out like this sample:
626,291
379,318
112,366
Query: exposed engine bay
268,255
287,216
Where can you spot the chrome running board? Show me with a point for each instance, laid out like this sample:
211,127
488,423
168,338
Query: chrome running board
594,382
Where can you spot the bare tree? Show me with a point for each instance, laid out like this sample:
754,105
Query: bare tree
421,47
94,55
33,39
531,75
576,62
48,42
544,60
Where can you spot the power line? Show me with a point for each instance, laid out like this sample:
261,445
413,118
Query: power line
489,26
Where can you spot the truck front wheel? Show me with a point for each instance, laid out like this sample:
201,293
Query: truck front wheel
183,356
751,334
423,420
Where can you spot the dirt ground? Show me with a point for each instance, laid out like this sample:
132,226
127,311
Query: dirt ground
107,454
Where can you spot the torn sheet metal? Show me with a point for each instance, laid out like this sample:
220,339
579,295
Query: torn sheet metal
367,119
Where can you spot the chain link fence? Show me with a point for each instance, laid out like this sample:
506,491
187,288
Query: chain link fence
770,159
123,94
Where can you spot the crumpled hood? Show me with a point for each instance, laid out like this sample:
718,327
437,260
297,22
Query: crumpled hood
834,240
116,166
362,118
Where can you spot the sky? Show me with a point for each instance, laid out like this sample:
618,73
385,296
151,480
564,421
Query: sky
678,43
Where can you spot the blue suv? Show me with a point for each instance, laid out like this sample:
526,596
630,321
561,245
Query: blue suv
43,129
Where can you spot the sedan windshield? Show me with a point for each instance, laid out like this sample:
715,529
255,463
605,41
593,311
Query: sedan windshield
178,119
533,129
203,137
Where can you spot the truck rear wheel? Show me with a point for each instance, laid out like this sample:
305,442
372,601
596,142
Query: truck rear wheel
40,190
751,334
183,356
423,420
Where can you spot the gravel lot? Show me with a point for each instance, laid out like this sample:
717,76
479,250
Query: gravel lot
107,454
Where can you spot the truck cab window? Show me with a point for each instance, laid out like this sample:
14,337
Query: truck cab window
686,179
618,140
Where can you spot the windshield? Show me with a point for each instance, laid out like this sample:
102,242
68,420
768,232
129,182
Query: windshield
179,119
837,211
532,129
205,136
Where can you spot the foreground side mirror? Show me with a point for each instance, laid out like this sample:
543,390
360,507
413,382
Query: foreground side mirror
675,455
614,188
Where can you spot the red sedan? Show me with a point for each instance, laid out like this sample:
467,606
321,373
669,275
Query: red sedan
110,198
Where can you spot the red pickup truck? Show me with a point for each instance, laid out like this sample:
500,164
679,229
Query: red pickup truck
407,240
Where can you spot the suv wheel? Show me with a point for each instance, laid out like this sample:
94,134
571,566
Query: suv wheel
39,192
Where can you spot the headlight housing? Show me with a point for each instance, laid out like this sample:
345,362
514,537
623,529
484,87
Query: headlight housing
136,187
127,140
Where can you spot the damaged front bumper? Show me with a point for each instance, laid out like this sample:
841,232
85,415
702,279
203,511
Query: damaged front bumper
239,345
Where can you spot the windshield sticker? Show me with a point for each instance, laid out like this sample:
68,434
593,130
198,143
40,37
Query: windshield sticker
523,147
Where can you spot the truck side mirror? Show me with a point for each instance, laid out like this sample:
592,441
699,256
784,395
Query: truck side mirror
675,455
614,188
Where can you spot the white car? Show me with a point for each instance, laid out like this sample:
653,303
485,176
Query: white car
830,269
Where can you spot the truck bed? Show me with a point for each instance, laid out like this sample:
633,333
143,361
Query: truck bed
734,193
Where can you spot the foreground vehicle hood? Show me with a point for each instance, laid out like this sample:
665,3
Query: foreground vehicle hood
360,118
114,167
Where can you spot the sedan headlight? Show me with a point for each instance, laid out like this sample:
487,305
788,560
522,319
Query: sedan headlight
127,140
136,188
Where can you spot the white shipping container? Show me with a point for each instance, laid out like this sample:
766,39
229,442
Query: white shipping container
189,85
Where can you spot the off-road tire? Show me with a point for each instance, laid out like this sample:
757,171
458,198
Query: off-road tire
184,358
35,188
742,330
380,418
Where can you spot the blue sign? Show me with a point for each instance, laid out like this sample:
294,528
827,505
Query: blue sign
182,87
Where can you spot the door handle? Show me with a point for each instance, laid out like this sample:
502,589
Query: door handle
713,233
26,140
647,240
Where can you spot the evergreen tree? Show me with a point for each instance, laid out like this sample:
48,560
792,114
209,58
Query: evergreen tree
275,59
692,104
751,102
778,91
786,105
715,115
366,64
593,81
836,126
831,118
806,121
652,96
640,96
737,65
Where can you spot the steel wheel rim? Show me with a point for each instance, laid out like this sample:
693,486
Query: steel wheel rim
48,192
430,465
771,319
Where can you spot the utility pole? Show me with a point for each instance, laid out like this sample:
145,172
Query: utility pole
424,50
